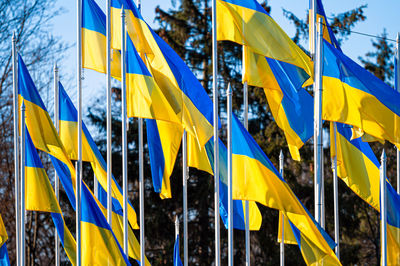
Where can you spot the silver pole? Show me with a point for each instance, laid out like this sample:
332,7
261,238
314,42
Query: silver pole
313,12
176,226
398,89
109,118
124,132
95,186
383,209
79,161
22,193
216,137
282,245
230,201
318,124
246,124
185,208
141,180
336,196
322,187
56,181
16,148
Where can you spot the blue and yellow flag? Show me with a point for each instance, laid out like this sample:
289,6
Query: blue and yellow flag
4,259
184,92
99,244
239,214
265,185
94,41
290,104
358,167
247,23
356,97
68,134
40,196
163,140
327,30
177,257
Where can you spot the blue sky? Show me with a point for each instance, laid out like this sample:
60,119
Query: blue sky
380,15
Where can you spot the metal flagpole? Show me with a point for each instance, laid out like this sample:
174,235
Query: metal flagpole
185,208
282,245
22,193
383,209
79,161
246,125
141,180
318,124
56,181
176,227
336,196
397,85
16,148
109,118
124,132
230,201
216,137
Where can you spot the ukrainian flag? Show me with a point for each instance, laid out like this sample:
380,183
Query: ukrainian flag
290,104
4,259
327,31
68,134
184,92
177,257
247,23
267,187
312,255
239,214
94,41
99,244
163,140
358,167
39,196
144,97
356,97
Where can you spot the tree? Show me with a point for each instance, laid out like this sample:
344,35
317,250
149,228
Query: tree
31,22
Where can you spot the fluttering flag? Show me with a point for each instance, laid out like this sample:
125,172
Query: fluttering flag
247,23
354,96
177,257
99,244
358,167
40,196
327,30
184,92
267,187
163,140
239,214
290,104
4,259
144,98
94,41
90,153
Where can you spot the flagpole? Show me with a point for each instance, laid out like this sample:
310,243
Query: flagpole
336,196
185,208
216,137
22,193
282,244
230,201
56,181
246,125
124,133
79,161
397,85
141,179
16,149
318,125
383,209
109,115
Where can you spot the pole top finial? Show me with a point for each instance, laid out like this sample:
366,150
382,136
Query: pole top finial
229,89
281,155
55,67
176,226
383,156
122,11
398,37
13,36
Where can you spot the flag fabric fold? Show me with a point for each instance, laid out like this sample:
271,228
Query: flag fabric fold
267,187
4,259
177,257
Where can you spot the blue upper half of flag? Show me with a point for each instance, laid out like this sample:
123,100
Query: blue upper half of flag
93,18
134,63
31,157
250,4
